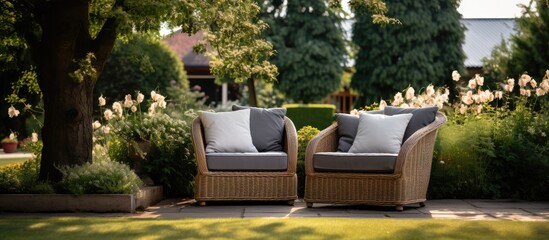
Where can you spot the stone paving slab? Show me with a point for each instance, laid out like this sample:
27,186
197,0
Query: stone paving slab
435,209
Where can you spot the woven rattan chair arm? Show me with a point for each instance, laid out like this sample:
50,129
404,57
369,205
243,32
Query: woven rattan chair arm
324,141
424,139
290,144
198,144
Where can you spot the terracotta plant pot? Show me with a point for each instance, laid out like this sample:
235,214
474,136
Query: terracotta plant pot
9,147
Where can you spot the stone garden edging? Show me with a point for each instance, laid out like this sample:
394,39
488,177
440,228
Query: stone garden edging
128,203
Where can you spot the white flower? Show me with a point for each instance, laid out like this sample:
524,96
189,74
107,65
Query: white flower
410,92
128,101
102,101
96,125
34,137
540,92
499,95
152,108
463,109
140,97
508,88
472,84
12,112
397,99
134,109
153,95
490,95
442,162
106,129
479,108
524,79
523,91
117,108
162,104
468,98
545,85
533,83
108,114
430,91
354,112
159,98
455,75
511,82
479,79
476,98
12,136
382,104
404,105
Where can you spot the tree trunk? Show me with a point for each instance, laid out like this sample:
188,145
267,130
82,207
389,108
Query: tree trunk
68,103
252,96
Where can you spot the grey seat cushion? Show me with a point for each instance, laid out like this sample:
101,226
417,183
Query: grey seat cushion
266,127
354,162
262,161
347,129
421,117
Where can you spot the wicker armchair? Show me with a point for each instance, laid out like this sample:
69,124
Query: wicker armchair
407,184
246,185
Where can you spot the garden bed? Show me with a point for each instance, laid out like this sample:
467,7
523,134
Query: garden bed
81,203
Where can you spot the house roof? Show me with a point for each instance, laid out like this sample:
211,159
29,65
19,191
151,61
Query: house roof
482,35
182,44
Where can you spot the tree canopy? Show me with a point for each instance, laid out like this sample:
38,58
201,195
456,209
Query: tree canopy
526,51
69,42
425,48
309,42
141,64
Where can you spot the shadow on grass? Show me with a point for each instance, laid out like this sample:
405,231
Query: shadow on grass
295,228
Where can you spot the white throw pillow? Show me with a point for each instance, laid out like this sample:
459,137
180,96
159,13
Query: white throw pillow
227,131
379,133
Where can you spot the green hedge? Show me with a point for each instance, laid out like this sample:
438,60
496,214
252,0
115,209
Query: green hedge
316,115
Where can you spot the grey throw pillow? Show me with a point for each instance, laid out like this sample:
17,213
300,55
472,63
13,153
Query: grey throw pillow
266,127
347,126
380,133
227,131
421,118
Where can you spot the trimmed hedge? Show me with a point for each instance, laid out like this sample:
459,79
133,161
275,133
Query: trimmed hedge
315,115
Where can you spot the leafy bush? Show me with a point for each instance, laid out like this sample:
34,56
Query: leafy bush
494,144
461,161
23,178
100,177
316,115
522,154
304,135
142,63
170,162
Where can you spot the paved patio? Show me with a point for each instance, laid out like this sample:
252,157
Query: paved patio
469,209
437,209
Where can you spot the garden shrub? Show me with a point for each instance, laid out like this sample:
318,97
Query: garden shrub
316,115
23,178
141,63
171,160
107,177
461,161
494,144
522,154
304,135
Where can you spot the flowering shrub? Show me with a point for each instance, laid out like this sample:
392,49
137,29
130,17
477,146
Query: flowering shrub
171,159
495,143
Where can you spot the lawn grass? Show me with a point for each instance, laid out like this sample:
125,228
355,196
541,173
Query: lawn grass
11,161
294,228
